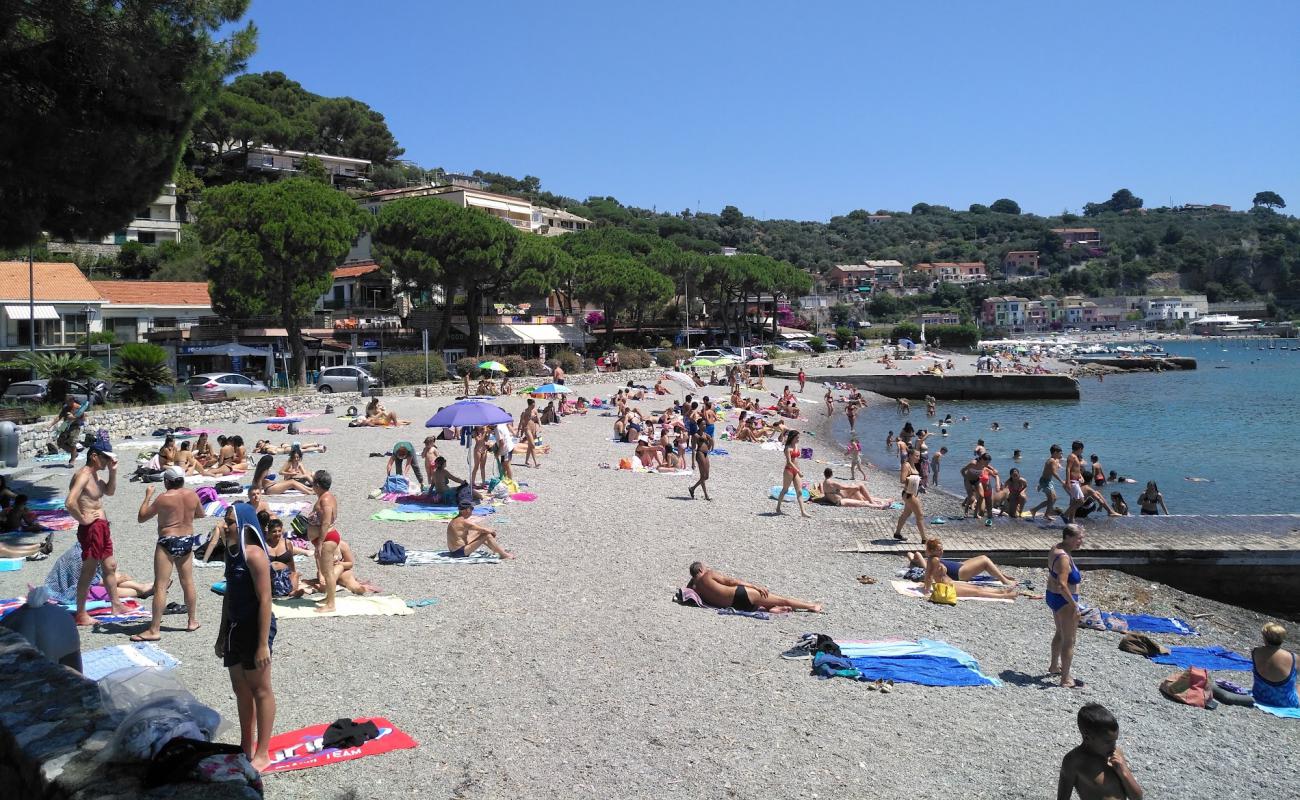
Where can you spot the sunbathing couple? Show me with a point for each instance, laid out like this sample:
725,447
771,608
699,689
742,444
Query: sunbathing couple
377,417
723,591
941,570
848,495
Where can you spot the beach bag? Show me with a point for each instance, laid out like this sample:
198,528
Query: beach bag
396,484
1091,618
1142,644
806,452
329,409
391,553
293,429
625,463
352,411
228,487
206,494
280,412
944,594
1190,687
299,526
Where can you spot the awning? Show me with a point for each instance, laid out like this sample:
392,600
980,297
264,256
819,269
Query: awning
20,312
496,335
571,335
233,349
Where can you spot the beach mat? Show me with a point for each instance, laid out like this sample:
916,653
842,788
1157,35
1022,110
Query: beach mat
304,749
345,605
95,664
422,558
909,589
1211,658
925,662
1144,623
775,493
393,515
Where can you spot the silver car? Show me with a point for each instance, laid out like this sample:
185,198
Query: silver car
344,379
232,383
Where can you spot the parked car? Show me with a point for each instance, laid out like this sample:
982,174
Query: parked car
714,353
230,382
344,379
831,346
38,391
800,346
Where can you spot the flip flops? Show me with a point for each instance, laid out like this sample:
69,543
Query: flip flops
938,521
428,601
866,580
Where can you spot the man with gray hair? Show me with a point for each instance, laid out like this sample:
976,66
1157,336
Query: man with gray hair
176,509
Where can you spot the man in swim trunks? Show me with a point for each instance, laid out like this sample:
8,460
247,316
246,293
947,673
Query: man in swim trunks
1051,472
85,504
464,535
71,417
848,495
1078,488
176,509
723,591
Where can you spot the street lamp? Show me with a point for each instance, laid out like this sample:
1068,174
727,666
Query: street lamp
87,311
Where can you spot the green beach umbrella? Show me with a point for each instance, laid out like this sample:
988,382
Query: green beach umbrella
495,366
703,362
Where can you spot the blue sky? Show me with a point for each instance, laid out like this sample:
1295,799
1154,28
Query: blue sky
808,110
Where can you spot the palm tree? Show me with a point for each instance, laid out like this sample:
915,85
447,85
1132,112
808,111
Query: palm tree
58,369
140,368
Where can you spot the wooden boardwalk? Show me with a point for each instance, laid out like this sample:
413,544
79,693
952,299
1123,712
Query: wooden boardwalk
1271,539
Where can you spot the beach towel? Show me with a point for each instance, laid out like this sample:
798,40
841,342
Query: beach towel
95,664
523,497
135,612
344,606
315,431
52,458
1277,711
46,503
1211,658
276,420
303,749
910,589
687,596
926,662
11,564
775,493
424,558
1144,623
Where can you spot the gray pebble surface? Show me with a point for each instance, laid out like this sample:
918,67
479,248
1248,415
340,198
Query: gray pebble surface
570,673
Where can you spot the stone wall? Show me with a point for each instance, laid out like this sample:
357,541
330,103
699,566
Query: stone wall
142,421
52,727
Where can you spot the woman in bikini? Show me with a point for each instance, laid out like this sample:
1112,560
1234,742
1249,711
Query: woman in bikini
203,451
293,471
481,446
1062,598
910,477
324,537
1151,501
790,475
702,444
1011,497
264,485
937,570
284,573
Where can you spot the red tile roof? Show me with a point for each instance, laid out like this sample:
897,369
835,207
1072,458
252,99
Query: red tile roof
54,282
355,270
154,293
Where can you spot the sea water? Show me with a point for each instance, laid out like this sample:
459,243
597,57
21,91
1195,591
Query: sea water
1233,424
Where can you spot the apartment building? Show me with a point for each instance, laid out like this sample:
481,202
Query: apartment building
1020,262
1082,236
962,273
154,224
132,309
343,171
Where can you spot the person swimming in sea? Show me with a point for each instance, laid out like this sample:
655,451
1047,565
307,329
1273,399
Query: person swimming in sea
995,427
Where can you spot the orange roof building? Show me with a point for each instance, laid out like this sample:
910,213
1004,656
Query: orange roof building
154,294
54,282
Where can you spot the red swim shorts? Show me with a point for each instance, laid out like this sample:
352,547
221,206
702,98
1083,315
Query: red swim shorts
95,539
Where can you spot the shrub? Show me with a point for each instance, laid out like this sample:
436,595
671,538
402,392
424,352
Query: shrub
951,336
141,367
515,363
844,335
467,365
634,359
818,344
667,358
906,330
568,361
532,368
408,370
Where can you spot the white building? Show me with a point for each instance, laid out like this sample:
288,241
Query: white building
153,224
342,169
133,308
60,307
1168,309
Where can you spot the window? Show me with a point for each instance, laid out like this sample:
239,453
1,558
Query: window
119,237
74,327
124,329
146,237
164,322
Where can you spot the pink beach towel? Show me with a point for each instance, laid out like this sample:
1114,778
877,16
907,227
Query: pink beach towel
523,497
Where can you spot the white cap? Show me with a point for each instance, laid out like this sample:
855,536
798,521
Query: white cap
173,473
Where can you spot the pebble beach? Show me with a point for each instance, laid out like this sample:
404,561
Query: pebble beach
570,672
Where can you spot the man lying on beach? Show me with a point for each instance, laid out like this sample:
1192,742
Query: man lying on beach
464,535
723,591
848,495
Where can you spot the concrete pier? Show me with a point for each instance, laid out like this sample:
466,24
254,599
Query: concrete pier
982,386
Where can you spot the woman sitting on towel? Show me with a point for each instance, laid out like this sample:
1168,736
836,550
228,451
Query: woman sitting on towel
965,570
203,451
939,571
284,573
377,416
1274,669
294,471
265,485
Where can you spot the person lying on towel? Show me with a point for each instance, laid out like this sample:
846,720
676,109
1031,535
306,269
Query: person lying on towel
849,495
723,591
937,572
464,535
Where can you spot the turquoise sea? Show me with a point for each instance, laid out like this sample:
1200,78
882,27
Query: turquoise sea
1234,421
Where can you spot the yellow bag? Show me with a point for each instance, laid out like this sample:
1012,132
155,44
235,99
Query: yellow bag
944,593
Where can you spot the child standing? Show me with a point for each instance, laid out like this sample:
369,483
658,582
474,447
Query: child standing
934,465
1097,768
855,458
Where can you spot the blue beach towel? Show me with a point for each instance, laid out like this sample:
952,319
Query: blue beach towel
1211,658
789,493
421,508
1145,623
1287,713
927,662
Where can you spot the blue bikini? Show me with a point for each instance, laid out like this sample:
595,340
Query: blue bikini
1055,600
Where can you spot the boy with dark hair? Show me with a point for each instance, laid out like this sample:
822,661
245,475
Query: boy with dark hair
1097,768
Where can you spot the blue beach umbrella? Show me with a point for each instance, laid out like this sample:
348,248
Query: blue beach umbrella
551,388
